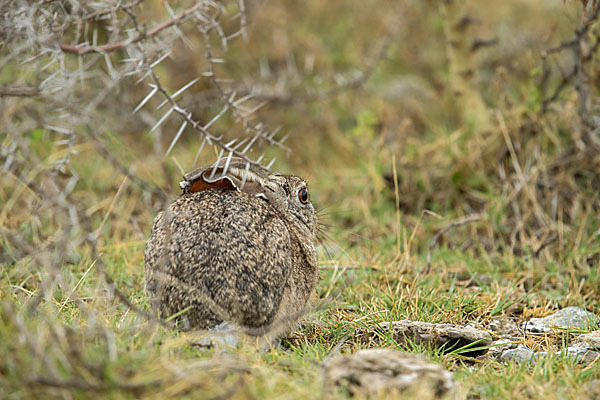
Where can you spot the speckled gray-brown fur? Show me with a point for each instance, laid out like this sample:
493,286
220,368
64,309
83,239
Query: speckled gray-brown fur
235,257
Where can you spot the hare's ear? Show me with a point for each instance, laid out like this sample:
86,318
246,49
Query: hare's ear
195,181
233,174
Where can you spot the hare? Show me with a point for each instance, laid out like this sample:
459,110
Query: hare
235,249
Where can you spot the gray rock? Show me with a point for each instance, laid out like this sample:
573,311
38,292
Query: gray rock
590,340
500,346
582,354
567,318
504,327
519,355
376,372
522,354
223,335
446,336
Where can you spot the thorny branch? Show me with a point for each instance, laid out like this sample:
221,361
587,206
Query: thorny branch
76,100
577,75
106,48
231,147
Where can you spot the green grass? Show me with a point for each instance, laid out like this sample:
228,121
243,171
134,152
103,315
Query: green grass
141,359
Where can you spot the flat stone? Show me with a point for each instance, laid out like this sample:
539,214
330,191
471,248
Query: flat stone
521,354
567,318
447,336
591,340
504,327
582,354
376,372
221,336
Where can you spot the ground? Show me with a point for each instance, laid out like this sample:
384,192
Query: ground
431,211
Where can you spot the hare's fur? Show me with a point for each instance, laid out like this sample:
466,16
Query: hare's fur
221,255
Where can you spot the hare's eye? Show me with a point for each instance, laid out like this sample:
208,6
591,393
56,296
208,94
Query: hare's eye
303,195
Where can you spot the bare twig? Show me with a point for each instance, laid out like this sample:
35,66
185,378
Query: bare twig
577,73
106,48
544,245
103,11
436,237
18,90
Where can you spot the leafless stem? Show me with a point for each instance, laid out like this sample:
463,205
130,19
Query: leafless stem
436,237
107,48
18,90
577,75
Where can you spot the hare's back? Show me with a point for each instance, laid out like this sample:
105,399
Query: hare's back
232,251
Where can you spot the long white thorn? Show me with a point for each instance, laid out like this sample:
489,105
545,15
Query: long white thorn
245,176
176,138
243,99
148,97
177,93
212,174
275,131
155,63
237,146
227,163
271,163
249,145
160,121
216,117
141,78
256,108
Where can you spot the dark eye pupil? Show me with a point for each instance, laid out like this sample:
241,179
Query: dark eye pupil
304,195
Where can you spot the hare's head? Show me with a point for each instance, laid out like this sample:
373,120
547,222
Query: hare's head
292,199
288,194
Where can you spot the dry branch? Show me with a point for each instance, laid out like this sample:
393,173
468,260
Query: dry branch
436,237
578,75
18,90
107,48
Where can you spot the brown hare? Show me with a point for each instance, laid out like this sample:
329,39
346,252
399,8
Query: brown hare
235,250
